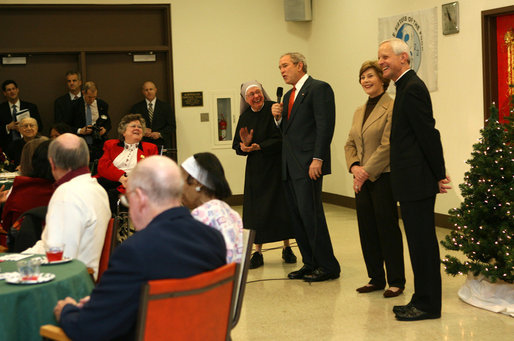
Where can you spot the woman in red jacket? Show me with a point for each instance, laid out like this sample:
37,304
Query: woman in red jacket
33,188
121,156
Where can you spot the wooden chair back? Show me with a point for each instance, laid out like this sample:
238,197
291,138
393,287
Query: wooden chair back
107,249
193,308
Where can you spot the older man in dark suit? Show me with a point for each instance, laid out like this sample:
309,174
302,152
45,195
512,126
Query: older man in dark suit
63,106
169,243
417,175
159,117
307,122
9,129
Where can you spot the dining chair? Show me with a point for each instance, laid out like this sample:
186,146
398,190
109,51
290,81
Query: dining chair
242,274
193,308
107,249
51,332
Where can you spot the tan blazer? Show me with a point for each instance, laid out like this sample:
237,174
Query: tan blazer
369,144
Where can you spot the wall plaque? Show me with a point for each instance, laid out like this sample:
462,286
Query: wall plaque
192,99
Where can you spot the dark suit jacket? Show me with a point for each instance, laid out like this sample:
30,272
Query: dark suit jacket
308,133
6,118
63,110
79,114
417,162
173,245
163,121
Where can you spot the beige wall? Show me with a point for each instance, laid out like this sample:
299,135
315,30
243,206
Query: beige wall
219,44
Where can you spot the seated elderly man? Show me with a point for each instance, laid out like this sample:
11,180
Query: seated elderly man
28,129
169,243
78,212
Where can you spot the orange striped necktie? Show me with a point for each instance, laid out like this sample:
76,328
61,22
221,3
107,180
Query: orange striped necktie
291,102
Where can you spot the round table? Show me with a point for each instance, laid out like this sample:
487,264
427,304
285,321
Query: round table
24,308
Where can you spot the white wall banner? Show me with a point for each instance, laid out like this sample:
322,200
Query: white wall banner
419,30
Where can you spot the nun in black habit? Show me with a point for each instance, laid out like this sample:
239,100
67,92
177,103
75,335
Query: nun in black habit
264,204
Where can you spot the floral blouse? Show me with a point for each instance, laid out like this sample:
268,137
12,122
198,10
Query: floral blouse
219,215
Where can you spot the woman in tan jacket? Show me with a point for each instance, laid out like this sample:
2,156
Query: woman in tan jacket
367,158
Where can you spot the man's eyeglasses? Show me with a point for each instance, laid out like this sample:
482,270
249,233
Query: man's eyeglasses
124,200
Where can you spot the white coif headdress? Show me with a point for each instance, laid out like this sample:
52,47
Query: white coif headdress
197,172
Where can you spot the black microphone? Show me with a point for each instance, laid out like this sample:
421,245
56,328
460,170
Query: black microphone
280,92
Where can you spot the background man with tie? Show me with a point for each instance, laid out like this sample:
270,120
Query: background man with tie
307,124
159,117
8,110
63,106
91,119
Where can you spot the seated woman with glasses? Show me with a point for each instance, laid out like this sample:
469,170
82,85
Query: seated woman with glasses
205,186
121,155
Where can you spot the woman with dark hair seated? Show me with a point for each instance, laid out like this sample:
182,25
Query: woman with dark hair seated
121,156
205,186
34,187
59,129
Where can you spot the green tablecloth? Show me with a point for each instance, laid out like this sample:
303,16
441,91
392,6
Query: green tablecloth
6,182
24,308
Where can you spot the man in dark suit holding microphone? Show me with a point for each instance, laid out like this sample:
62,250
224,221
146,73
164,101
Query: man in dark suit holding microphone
307,121
417,175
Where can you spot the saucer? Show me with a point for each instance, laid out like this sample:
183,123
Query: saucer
15,278
44,261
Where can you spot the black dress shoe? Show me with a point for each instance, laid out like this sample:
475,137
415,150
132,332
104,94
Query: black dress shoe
288,255
257,260
300,274
320,275
369,288
401,308
414,314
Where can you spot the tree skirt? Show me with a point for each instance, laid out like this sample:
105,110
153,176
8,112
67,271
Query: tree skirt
497,297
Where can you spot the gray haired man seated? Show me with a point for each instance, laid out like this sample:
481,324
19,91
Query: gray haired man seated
169,243
78,212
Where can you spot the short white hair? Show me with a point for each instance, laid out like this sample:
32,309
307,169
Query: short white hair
399,46
159,178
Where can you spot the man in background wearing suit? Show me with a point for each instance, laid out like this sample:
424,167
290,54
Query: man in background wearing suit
417,175
63,106
9,130
169,243
159,117
307,122
91,119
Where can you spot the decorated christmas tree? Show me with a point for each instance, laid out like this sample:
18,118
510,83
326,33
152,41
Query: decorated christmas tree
484,223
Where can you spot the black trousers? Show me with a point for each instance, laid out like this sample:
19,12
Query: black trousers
309,224
419,222
380,234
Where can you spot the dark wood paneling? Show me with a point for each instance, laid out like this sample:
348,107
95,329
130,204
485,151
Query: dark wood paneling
81,26
41,81
119,81
100,39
